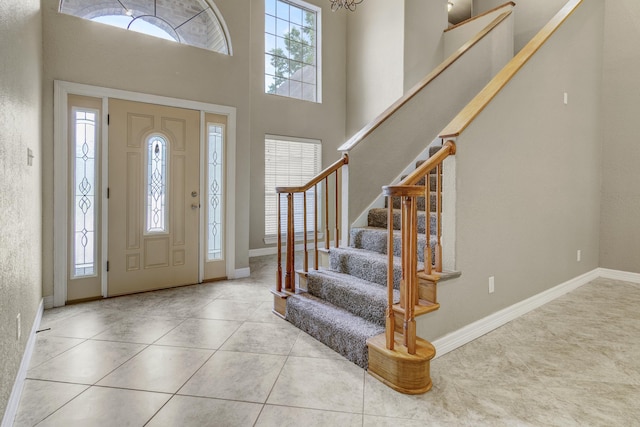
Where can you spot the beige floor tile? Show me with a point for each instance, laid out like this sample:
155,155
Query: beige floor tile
223,309
86,363
200,333
143,330
187,411
307,346
85,324
158,368
236,376
440,403
41,398
320,384
49,346
264,314
375,421
108,407
283,416
268,338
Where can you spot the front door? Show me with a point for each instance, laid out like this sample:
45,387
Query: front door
153,214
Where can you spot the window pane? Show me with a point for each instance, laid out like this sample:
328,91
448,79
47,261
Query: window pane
293,55
269,24
270,7
289,163
215,169
156,198
84,194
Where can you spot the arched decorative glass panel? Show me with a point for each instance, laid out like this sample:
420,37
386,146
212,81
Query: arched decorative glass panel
156,185
84,192
215,186
193,22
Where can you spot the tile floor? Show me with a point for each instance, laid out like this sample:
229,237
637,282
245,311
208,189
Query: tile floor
215,355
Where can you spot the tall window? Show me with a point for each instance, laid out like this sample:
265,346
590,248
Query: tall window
292,49
215,187
85,136
289,162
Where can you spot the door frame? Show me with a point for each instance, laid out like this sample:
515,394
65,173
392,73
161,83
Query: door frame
61,174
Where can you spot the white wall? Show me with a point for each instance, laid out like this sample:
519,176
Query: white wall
375,60
531,15
20,184
620,230
528,181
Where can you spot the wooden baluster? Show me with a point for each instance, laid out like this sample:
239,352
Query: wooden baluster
390,316
428,254
315,227
326,213
439,219
279,271
412,235
337,193
404,294
291,244
304,232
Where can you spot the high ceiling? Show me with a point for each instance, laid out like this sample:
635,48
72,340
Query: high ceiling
461,10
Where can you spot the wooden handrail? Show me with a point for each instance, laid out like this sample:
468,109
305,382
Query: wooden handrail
386,114
477,104
448,149
473,18
318,178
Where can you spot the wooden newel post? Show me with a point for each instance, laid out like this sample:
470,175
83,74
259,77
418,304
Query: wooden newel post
279,270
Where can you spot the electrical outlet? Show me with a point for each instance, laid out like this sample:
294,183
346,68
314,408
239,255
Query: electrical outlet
18,327
579,255
491,284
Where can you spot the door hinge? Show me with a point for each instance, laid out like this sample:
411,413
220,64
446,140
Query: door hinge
108,119
108,192
107,265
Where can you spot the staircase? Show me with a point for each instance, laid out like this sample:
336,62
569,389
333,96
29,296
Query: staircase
344,303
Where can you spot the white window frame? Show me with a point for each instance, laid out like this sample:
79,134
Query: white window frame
318,12
273,238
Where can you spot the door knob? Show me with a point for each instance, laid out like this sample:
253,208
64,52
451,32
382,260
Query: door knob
194,194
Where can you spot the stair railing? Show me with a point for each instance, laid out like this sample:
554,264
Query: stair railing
289,285
409,191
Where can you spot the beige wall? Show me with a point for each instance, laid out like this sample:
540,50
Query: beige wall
528,181
620,227
20,189
375,60
424,24
84,52
531,15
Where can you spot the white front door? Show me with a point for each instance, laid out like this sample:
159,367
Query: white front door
154,197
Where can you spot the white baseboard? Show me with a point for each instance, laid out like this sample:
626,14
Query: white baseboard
619,275
241,273
481,327
48,302
16,391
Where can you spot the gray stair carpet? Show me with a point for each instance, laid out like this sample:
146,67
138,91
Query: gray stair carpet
337,328
360,297
375,239
378,218
366,265
420,201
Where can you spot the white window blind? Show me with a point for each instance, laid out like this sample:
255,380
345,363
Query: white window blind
289,162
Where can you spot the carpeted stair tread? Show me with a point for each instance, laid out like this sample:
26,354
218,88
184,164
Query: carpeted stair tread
360,297
335,327
366,265
375,239
378,218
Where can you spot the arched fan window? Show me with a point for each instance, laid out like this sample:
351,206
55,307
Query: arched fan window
193,22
